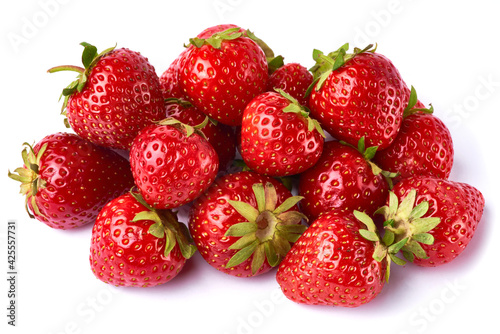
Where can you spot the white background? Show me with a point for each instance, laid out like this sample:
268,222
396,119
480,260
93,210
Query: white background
448,50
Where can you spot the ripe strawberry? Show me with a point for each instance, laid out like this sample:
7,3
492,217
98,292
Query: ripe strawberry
67,180
222,73
344,178
441,225
169,80
221,137
423,146
172,164
294,79
134,245
244,223
358,95
332,264
278,137
116,95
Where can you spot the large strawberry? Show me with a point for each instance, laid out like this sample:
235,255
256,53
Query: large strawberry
172,164
278,137
294,79
222,73
333,264
222,137
358,95
244,224
423,146
116,94
134,245
344,178
67,179
436,217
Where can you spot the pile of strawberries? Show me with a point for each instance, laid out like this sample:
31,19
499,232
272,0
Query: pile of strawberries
230,131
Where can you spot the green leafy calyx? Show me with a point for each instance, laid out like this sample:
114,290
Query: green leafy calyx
90,57
296,107
167,226
407,223
268,230
29,176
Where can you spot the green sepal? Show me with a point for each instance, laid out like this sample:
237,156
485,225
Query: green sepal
243,241
259,257
414,247
368,235
397,260
217,38
242,255
422,225
424,238
272,258
241,229
412,101
246,210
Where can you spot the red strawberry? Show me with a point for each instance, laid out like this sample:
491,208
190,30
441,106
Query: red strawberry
343,178
116,95
221,137
358,95
294,79
222,73
67,180
134,245
442,223
244,223
172,164
332,264
278,137
169,80
423,146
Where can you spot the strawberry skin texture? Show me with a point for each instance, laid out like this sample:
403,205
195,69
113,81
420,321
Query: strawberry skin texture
460,207
221,137
332,264
423,147
169,80
277,143
124,253
211,216
294,79
365,97
343,179
169,168
220,82
80,179
122,95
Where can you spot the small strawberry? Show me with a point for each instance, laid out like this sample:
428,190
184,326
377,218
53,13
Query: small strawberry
169,80
344,178
172,164
134,245
221,137
67,180
278,137
116,94
222,73
423,146
244,224
333,263
358,95
294,79
436,217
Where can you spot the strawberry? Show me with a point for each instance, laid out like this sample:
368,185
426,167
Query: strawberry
294,79
67,180
344,178
116,94
333,264
222,73
221,137
244,224
169,80
358,95
134,245
423,146
278,137
436,217
172,164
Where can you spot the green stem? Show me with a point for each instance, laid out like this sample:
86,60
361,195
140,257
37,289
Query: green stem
73,68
